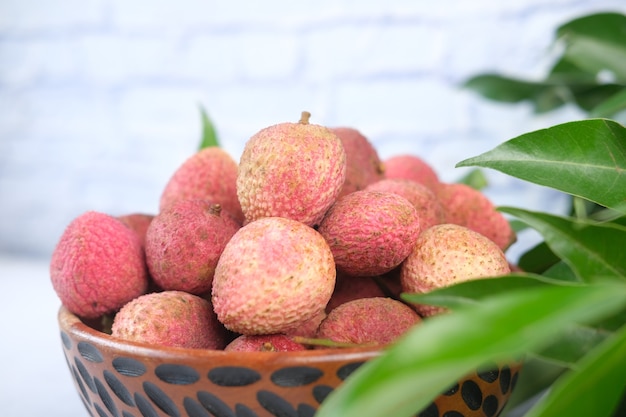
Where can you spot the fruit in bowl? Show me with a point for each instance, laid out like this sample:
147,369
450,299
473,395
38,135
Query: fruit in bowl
150,314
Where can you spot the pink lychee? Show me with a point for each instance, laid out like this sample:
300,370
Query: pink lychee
411,167
97,265
274,275
209,174
264,343
292,170
170,318
363,165
429,208
370,232
184,243
446,254
348,288
139,222
469,207
377,320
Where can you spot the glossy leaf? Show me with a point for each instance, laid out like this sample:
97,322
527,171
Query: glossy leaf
538,258
505,89
209,135
584,158
592,250
441,350
596,42
594,388
473,291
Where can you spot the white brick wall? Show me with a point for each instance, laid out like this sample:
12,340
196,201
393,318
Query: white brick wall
99,98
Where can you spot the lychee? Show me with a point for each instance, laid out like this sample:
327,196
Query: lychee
348,288
377,320
447,254
429,209
170,318
209,174
363,165
274,275
184,243
370,232
292,170
469,207
97,265
139,222
264,343
411,167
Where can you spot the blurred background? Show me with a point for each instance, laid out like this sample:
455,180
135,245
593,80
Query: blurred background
99,99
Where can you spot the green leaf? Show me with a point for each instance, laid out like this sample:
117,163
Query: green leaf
596,42
584,158
611,106
562,272
573,344
500,88
440,351
535,377
209,135
594,388
475,179
592,250
538,258
470,292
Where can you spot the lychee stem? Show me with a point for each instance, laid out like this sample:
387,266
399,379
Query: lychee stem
304,118
328,342
215,209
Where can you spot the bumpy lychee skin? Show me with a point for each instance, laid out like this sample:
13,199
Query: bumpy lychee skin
274,275
447,254
209,174
139,222
292,170
97,265
170,318
184,243
370,232
469,207
264,343
411,167
348,288
377,320
363,165
425,201
308,328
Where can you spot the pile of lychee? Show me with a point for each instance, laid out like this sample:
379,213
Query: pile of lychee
306,242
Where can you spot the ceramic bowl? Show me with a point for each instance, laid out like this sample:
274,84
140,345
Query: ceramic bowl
118,378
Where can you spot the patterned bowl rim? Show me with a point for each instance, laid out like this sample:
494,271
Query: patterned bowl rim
76,328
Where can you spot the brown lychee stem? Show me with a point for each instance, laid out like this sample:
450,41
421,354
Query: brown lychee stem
215,209
304,118
329,343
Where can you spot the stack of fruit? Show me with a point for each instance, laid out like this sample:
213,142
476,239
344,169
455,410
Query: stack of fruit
307,242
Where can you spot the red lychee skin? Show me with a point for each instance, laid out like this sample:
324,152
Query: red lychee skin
274,275
469,207
348,288
292,170
370,232
184,243
446,254
411,167
377,320
170,318
139,222
363,165
425,201
264,343
309,328
209,174
97,265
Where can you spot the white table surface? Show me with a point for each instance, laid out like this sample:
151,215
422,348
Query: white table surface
35,380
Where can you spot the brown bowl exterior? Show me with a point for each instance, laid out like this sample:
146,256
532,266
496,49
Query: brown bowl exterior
118,378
